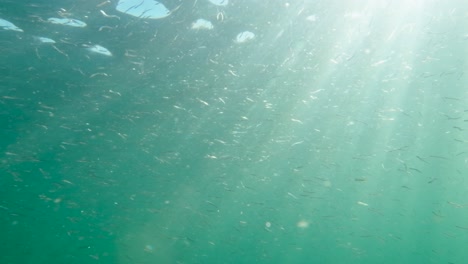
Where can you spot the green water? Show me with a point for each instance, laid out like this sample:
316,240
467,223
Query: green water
337,135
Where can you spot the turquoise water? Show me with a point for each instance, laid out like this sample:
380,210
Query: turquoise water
289,132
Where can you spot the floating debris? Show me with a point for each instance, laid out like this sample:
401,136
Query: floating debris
311,18
143,9
100,50
45,40
7,25
67,22
302,224
219,2
360,179
202,24
244,37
